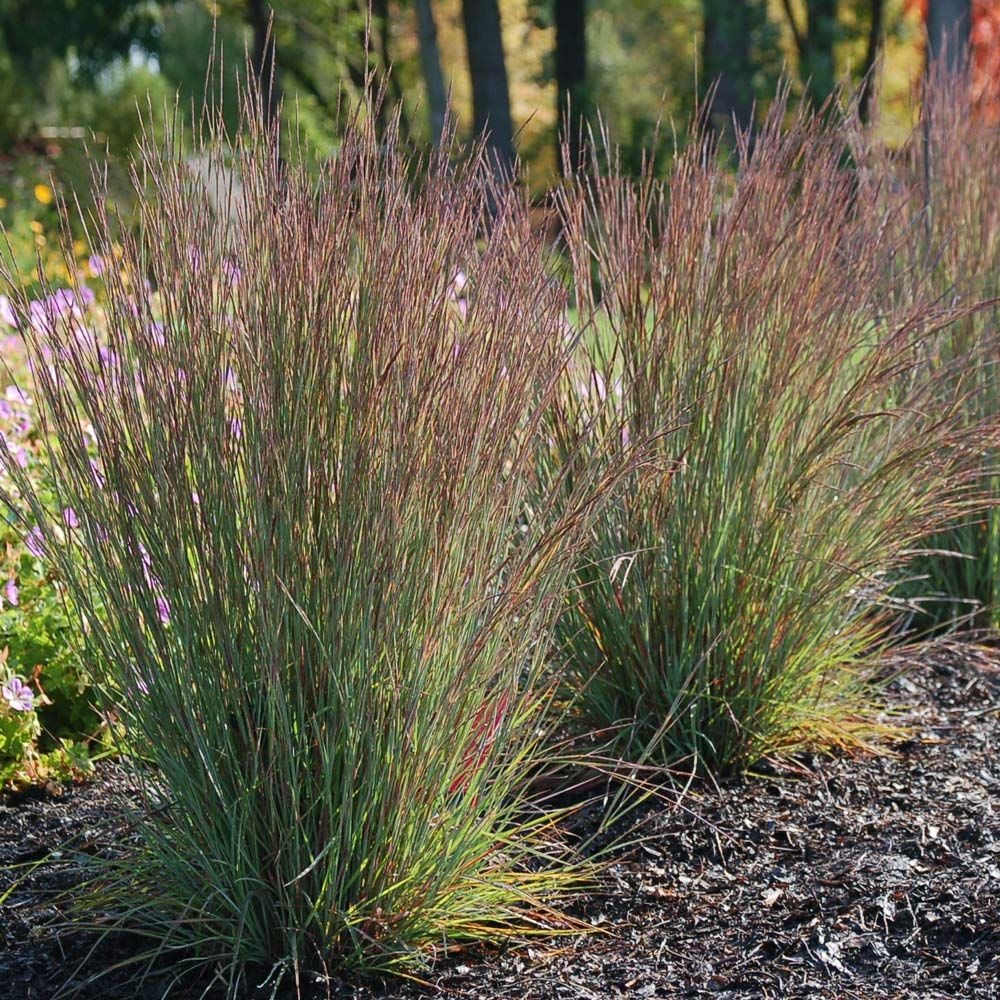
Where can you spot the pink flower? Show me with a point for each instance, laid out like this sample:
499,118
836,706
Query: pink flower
7,317
69,518
35,543
231,273
163,609
18,695
12,594
15,394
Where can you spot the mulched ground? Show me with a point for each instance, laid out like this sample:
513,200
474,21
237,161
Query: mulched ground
843,878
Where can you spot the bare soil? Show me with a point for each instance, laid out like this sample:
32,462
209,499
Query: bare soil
842,877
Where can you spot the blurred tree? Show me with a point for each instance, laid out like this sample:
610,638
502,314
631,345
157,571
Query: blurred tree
814,43
643,73
430,64
967,30
36,34
264,61
873,51
186,49
985,43
488,72
741,60
571,79
948,26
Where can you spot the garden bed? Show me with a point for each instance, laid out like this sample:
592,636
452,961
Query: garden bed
836,877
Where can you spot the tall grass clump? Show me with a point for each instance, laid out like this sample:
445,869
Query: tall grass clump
297,463
948,220
730,606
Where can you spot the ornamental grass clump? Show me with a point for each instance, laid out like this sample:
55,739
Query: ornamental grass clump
302,514
730,607
948,219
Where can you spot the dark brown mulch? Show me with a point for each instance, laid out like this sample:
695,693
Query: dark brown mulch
843,878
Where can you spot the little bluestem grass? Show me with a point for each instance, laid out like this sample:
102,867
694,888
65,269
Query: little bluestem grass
728,607
326,615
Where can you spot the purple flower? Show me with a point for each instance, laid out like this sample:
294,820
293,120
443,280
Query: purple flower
42,315
231,273
96,264
18,695
156,333
69,518
163,609
7,316
12,594
15,394
65,302
35,543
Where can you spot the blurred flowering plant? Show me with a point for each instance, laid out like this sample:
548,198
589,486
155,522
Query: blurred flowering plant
47,717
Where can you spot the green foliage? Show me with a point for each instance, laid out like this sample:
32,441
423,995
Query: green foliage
642,72
185,50
37,35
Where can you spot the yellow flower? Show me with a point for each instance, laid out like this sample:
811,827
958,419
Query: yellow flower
43,194
40,241
3,202
79,248
36,227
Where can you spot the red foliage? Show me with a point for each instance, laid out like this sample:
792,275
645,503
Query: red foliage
984,44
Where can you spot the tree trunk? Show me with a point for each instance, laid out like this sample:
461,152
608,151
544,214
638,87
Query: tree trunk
389,82
430,63
490,94
264,61
948,25
571,78
728,61
819,68
870,68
